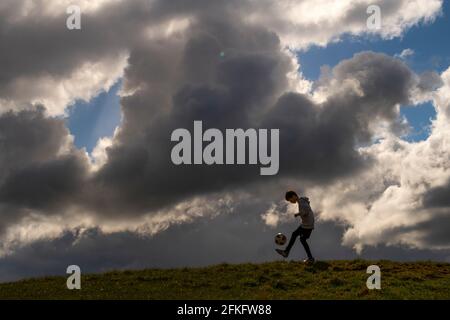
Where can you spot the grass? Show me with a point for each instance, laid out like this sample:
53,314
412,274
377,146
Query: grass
272,280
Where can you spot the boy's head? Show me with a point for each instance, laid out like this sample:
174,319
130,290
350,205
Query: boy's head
291,196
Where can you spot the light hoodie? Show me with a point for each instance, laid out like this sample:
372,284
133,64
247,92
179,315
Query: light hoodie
306,213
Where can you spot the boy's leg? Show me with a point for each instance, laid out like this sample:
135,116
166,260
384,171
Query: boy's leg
305,234
294,236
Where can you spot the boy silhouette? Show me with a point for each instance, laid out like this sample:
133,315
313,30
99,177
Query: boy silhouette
306,227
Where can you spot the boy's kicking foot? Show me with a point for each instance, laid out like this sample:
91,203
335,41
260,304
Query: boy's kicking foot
282,252
285,254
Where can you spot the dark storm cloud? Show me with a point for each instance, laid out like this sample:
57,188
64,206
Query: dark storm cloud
438,197
45,186
43,45
28,137
233,238
436,231
199,85
35,173
322,138
184,78
244,89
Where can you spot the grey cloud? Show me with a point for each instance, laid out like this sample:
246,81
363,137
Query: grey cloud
47,186
27,138
437,197
435,231
244,89
36,174
429,81
323,138
42,44
227,94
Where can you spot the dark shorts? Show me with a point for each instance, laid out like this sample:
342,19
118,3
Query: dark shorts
303,232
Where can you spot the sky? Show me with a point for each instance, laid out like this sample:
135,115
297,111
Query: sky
86,117
430,51
98,118
89,121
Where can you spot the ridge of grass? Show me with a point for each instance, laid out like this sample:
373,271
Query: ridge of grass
337,279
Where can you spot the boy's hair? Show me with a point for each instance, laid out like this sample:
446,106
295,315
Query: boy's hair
290,194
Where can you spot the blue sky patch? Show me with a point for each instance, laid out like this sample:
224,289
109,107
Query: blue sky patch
89,121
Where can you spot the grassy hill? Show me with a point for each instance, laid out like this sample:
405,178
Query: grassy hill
273,280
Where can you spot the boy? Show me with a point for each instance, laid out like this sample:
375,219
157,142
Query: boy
305,228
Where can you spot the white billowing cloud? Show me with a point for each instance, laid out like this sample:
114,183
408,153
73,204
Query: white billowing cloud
299,24
407,14
406,53
56,94
99,155
442,99
328,85
384,204
36,227
279,213
319,22
50,8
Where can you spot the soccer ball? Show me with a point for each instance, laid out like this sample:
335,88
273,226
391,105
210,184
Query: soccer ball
280,239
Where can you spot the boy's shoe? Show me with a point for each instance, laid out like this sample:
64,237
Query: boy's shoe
282,252
309,261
